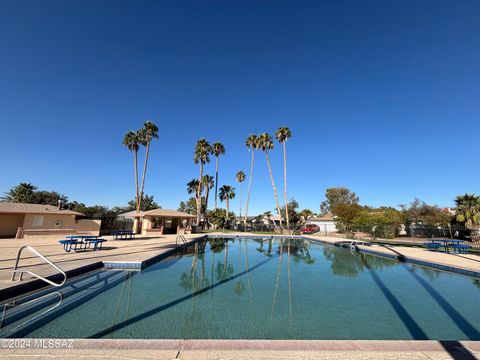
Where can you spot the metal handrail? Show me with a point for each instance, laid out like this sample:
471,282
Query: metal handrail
181,237
15,269
13,303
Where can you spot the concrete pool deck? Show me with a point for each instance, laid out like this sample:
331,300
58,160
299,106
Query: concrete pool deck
245,349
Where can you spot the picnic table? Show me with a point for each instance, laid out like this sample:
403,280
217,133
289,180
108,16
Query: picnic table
122,234
450,245
81,242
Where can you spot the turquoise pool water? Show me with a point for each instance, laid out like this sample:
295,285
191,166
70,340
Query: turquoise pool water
258,289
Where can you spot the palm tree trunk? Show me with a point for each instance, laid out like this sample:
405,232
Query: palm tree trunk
274,189
285,182
216,181
249,187
147,148
135,166
207,192
228,210
240,212
199,194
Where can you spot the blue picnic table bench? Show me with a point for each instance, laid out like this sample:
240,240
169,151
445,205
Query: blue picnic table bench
449,245
81,243
122,234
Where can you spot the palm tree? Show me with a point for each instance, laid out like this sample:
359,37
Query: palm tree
192,187
265,143
21,193
468,212
149,132
282,135
217,150
227,193
305,215
132,140
201,155
208,184
252,145
240,178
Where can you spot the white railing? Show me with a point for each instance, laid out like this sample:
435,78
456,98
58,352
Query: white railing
32,250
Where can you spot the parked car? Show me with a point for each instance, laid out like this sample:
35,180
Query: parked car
310,229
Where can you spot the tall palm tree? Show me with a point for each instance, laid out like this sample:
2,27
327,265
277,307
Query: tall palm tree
266,144
282,135
252,145
217,150
208,184
149,132
132,140
227,193
240,178
201,155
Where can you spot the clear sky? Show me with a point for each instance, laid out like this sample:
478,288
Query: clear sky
381,96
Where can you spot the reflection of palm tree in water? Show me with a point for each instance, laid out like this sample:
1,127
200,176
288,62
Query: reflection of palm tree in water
289,283
344,263
269,249
125,284
239,286
191,281
248,273
224,273
278,276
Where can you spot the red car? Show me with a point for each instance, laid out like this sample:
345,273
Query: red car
310,229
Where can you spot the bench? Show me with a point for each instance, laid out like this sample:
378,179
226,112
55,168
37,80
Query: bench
459,248
75,245
70,244
97,243
122,234
433,246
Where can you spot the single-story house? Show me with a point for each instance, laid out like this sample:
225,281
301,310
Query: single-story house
161,222
19,219
326,223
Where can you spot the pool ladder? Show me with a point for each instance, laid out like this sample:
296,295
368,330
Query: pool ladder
32,250
181,238
355,242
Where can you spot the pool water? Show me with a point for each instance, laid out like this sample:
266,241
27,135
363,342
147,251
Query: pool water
257,289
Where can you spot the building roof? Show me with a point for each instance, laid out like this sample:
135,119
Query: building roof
22,208
130,214
168,213
326,217
158,212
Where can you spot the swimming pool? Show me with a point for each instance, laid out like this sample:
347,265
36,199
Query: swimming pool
256,289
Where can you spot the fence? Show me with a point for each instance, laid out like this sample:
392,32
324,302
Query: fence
394,233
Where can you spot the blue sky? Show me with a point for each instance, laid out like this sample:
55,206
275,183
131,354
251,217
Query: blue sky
381,96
